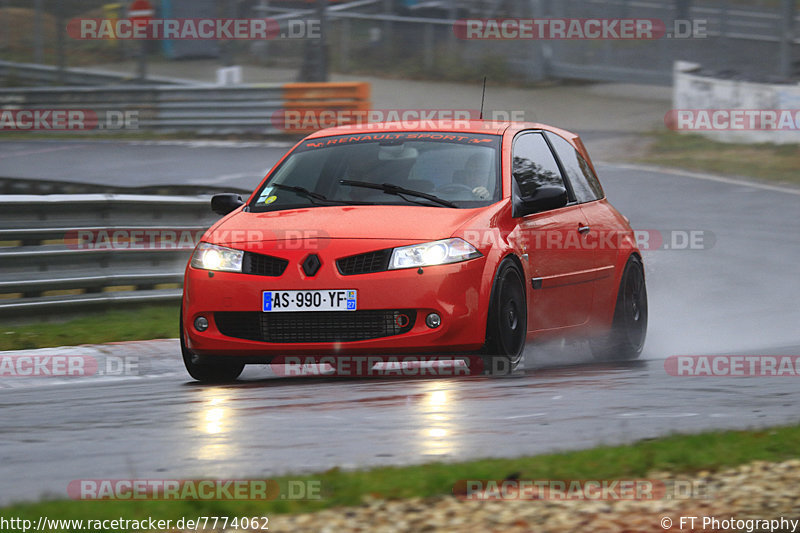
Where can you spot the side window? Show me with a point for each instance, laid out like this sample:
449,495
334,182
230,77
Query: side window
584,183
533,164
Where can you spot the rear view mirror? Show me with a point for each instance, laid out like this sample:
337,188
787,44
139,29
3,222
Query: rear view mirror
224,203
543,199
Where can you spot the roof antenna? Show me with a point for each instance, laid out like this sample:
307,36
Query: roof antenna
483,97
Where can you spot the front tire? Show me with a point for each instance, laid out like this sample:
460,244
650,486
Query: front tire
507,324
207,372
629,328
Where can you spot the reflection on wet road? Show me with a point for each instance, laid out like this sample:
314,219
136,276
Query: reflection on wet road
163,426
738,297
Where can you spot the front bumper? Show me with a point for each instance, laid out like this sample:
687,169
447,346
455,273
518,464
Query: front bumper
458,292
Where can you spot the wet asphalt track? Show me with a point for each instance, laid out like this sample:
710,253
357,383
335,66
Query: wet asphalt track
142,163
739,296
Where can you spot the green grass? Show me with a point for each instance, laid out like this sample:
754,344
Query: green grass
770,162
680,454
147,322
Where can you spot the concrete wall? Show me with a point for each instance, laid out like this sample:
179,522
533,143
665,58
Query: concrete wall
692,91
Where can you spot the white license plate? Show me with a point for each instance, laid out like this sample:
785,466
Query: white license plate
326,300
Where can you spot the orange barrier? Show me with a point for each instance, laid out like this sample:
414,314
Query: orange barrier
308,107
322,91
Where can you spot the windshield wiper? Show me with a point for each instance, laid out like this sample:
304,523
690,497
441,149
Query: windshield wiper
301,190
388,188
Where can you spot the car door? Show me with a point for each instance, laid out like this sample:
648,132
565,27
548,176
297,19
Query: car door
599,216
559,262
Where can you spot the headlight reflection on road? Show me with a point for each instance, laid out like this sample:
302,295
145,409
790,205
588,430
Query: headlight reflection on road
437,424
215,416
214,426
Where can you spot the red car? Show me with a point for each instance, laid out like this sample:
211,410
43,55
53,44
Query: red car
468,238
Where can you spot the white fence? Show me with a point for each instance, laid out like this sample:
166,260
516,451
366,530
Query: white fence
697,92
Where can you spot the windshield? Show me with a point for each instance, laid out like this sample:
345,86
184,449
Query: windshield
450,170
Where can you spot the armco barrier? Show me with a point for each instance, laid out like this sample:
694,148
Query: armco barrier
203,109
33,73
60,252
44,187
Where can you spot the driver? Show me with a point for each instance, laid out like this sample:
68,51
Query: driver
478,176
362,163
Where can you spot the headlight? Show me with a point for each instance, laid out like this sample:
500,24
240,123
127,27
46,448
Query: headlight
212,257
432,253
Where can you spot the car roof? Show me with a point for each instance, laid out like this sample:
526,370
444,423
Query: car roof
454,125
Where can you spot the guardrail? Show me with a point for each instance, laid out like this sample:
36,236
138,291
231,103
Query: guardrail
203,109
42,187
35,73
62,252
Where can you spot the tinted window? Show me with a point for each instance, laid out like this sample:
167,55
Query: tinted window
533,164
584,183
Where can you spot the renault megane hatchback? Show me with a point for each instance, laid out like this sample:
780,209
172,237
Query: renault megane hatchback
465,238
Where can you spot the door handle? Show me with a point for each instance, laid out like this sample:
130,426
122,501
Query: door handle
583,229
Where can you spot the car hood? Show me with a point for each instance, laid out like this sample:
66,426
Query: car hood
413,223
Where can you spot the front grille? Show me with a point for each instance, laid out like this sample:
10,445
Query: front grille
263,265
315,326
376,261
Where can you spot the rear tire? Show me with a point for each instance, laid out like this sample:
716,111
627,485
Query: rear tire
629,328
207,372
507,323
